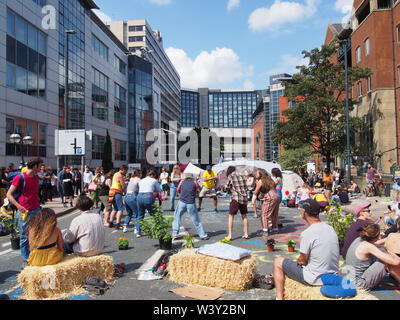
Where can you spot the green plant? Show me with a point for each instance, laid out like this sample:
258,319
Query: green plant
13,227
123,242
157,226
167,237
188,241
339,222
291,243
270,242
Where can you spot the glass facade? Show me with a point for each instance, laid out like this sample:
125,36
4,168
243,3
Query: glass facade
100,95
26,57
98,147
119,105
271,117
231,109
189,109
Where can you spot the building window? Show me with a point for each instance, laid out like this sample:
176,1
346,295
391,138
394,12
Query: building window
24,127
26,57
135,39
120,150
119,65
41,3
136,28
359,85
120,106
358,54
100,95
98,147
100,47
366,42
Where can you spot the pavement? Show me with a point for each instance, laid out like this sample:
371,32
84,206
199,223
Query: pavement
379,205
143,251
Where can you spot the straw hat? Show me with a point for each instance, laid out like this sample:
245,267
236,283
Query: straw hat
393,243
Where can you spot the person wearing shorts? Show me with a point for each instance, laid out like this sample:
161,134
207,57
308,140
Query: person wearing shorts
209,178
237,186
319,252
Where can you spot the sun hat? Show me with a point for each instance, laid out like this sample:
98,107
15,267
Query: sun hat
6,202
361,207
392,243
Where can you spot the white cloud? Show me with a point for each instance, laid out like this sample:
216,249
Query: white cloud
288,65
161,2
232,4
344,6
102,16
281,13
215,69
248,85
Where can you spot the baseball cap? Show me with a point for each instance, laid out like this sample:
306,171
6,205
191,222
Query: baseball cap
310,206
188,175
392,243
208,167
361,207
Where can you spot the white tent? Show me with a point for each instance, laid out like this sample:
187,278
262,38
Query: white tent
268,166
291,181
196,171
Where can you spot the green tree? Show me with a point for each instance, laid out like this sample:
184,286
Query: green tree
107,162
295,159
318,119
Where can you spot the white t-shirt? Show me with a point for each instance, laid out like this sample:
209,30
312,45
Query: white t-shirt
87,177
321,243
164,178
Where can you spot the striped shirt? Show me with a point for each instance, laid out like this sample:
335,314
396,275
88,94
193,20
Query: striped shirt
237,185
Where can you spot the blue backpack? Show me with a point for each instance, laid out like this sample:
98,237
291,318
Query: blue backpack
20,190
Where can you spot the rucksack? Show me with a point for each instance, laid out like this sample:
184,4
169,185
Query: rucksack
20,190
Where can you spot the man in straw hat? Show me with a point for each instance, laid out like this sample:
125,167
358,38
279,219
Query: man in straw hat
319,252
188,189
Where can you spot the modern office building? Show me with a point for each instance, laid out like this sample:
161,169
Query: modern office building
190,108
137,34
373,39
100,96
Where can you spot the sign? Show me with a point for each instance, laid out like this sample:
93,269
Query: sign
133,166
70,142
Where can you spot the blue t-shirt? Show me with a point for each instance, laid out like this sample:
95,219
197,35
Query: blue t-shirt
188,192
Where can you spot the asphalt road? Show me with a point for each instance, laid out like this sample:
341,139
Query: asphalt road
142,250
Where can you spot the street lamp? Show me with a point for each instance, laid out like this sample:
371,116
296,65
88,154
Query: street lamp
67,34
15,138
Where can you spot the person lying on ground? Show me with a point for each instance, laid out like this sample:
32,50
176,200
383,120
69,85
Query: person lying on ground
319,252
363,215
85,236
368,263
45,239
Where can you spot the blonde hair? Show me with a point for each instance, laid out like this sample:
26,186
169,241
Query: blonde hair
41,226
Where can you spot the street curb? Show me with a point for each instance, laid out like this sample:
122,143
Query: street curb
65,212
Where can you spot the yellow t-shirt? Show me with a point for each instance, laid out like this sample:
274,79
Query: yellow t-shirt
209,184
320,197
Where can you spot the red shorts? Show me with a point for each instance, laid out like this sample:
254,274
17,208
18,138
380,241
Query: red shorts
235,206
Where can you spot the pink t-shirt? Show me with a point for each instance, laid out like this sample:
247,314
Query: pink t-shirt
29,199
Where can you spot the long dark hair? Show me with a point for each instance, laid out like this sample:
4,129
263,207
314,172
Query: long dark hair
276,173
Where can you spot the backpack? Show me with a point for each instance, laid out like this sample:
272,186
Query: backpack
20,190
291,203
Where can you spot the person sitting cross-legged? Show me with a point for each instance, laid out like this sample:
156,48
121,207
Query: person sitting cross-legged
85,236
319,252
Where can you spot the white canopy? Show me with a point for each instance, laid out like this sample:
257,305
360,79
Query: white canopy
268,166
291,181
196,171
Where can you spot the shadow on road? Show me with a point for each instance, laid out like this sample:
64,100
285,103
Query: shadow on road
7,274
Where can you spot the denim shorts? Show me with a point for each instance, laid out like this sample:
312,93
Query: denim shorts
293,271
118,205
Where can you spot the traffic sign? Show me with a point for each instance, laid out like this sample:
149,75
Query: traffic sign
70,142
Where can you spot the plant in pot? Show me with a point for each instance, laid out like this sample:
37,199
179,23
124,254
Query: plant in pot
188,241
270,245
291,245
157,227
123,243
14,230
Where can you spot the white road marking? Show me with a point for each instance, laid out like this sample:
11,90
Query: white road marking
6,251
6,244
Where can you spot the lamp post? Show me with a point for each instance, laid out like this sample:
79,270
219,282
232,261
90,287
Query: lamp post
67,34
15,138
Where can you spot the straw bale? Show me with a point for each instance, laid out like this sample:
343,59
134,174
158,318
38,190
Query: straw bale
188,267
296,291
65,278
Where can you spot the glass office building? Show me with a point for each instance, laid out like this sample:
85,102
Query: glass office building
190,108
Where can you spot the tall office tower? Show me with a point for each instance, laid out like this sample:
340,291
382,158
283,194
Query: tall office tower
138,37
190,108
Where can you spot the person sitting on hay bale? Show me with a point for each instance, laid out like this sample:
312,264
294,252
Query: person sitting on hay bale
45,239
367,263
319,252
85,236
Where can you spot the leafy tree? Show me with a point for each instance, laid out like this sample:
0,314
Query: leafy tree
318,118
107,163
295,159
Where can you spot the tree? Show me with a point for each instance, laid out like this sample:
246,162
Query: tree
295,159
107,162
318,118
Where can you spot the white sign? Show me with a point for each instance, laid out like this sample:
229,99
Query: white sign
70,142
133,166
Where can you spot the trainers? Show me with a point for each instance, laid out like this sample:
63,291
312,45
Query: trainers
125,229
138,234
205,238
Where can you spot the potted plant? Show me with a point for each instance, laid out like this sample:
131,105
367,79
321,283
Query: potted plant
123,244
157,227
15,238
188,241
270,245
291,245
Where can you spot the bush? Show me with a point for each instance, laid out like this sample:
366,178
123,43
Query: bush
339,222
156,226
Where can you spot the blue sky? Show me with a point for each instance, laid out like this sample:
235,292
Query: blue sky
233,44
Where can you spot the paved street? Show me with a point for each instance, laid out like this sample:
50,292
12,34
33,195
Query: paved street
127,287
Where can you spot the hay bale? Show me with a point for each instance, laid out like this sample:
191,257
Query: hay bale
188,267
296,291
65,278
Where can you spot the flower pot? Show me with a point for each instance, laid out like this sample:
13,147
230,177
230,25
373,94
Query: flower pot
270,248
123,247
165,245
15,243
290,249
